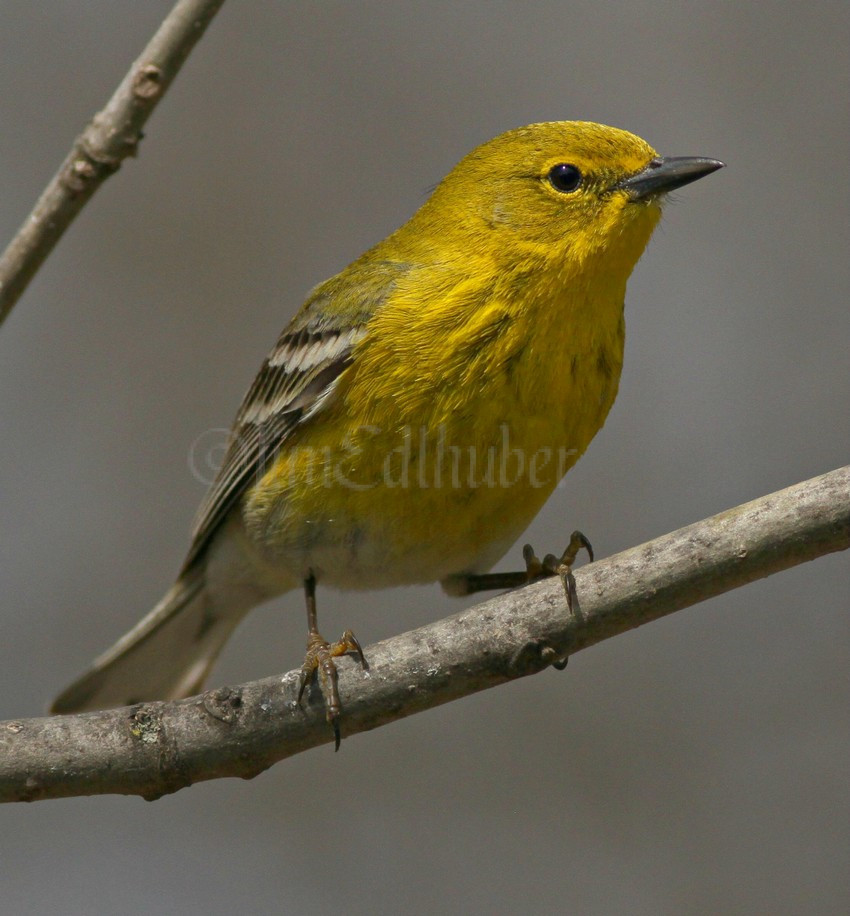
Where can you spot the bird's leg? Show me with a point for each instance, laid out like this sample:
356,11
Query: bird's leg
536,568
320,660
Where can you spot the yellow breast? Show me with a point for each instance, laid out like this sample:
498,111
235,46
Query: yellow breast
444,441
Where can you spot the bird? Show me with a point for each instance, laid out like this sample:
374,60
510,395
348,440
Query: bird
421,406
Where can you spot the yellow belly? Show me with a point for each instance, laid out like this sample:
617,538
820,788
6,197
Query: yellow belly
436,474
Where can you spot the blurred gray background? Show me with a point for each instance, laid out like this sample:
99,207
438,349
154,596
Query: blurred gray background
698,765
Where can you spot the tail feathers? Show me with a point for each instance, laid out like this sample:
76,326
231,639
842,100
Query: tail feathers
165,656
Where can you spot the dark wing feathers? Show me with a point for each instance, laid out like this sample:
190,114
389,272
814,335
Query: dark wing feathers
293,383
275,404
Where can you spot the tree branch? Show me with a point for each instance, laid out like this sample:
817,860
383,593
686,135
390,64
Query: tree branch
111,136
154,748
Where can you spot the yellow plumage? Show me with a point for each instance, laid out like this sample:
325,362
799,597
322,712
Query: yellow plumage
510,319
424,403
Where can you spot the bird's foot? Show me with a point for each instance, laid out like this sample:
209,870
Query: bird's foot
535,569
319,661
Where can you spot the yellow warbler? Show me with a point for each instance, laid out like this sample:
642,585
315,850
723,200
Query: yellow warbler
421,406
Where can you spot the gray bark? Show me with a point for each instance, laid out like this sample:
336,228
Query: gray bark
155,748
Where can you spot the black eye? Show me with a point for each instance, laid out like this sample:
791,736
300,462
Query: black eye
564,178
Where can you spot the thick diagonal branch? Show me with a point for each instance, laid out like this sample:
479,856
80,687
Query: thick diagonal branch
155,748
112,135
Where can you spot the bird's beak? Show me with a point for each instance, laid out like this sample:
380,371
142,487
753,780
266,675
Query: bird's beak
665,173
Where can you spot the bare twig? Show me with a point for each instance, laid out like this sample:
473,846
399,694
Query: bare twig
155,748
111,136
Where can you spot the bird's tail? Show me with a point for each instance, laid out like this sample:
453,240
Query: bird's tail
165,656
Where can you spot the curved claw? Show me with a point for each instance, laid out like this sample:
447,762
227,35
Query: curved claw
577,542
349,645
533,566
551,564
319,660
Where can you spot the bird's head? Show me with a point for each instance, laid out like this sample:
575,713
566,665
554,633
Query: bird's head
562,191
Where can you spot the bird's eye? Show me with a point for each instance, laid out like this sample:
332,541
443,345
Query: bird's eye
564,178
